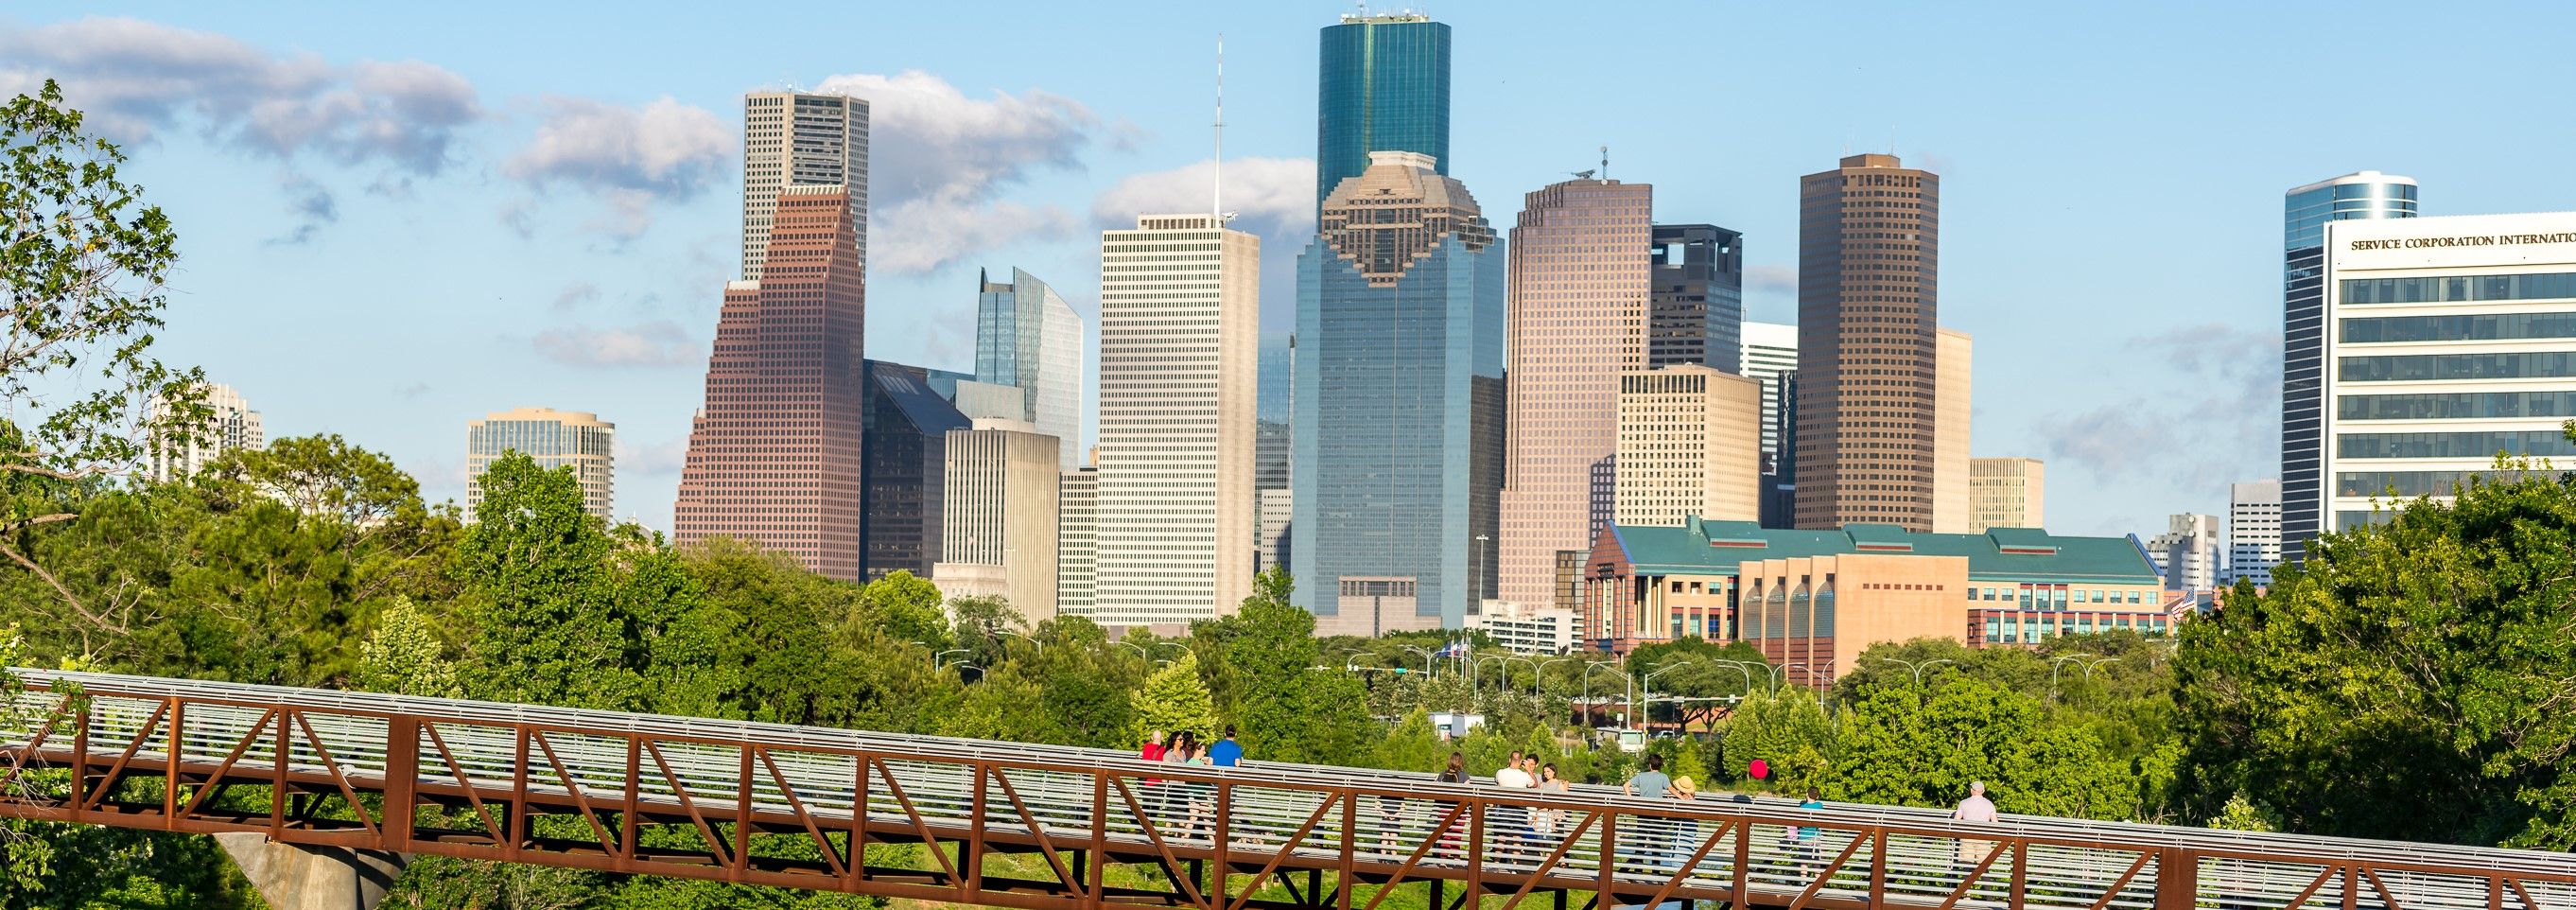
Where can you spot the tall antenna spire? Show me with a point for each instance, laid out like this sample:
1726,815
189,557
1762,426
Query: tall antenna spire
1216,194
1605,164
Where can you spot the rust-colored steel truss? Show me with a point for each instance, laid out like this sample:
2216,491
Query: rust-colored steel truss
1041,828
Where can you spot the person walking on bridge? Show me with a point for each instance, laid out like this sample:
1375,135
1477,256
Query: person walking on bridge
1976,808
1226,753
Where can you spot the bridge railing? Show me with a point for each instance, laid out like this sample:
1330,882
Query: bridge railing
153,753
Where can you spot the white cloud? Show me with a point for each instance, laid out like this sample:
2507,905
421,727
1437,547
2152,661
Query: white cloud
659,343
2195,442
938,161
134,79
662,147
660,458
1273,197
1771,279
575,294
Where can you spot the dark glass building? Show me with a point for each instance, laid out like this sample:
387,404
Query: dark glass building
903,476
2305,211
1384,86
1695,313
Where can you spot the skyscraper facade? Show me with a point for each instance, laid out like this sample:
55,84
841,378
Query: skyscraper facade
1771,358
2448,341
1026,335
2306,210
903,470
233,426
1180,316
2253,531
1950,510
1077,529
1696,313
998,517
792,139
554,439
1384,86
774,453
1690,445
1581,279
1868,342
2187,553
2006,493
1398,439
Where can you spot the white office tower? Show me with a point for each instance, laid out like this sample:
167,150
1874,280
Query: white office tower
1180,319
2449,340
1077,527
233,426
2253,531
1689,447
2187,553
792,139
554,439
1770,352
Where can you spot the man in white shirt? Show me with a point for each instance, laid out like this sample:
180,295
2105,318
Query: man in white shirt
1513,776
1976,808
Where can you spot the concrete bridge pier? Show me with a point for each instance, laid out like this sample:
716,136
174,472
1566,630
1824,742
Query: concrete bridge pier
300,877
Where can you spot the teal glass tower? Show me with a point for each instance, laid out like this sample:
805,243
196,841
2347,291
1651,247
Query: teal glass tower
1384,88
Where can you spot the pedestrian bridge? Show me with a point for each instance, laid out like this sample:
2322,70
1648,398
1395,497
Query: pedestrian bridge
1043,828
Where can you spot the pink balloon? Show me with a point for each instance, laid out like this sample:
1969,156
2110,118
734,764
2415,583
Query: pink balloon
1759,769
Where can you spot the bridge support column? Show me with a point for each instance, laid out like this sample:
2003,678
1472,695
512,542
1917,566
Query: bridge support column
300,877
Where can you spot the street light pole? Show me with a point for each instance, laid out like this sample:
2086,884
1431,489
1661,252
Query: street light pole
2058,663
1918,668
1587,685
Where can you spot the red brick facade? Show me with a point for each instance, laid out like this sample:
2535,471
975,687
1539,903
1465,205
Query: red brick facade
774,452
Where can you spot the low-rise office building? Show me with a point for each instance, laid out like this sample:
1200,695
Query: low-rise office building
1813,600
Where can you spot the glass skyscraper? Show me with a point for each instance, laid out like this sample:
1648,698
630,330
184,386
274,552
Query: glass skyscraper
1399,378
2368,194
1027,336
1384,87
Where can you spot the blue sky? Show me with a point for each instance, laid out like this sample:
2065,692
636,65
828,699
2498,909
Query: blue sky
397,218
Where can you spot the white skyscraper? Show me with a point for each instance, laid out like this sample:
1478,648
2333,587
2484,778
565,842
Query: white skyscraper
2253,531
793,139
1180,315
999,515
2450,340
234,426
1770,352
1077,528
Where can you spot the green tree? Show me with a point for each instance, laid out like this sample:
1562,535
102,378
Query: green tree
2409,680
1173,701
537,588
1787,730
84,259
906,608
1919,747
1412,746
404,656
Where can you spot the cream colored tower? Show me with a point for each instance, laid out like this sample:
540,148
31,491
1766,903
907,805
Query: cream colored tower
2005,493
791,139
997,517
1690,443
1180,319
578,439
1950,382
1580,269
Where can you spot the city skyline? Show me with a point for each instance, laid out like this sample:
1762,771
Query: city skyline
608,284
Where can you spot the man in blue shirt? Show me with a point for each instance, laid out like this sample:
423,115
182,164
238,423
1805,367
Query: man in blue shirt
1226,753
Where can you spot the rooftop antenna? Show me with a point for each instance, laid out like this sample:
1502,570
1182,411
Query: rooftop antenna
1216,194
1605,164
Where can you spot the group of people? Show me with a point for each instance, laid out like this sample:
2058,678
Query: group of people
1192,803
1188,806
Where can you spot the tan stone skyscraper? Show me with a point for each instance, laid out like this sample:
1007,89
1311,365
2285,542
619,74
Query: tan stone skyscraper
1582,272
1868,330
1950,511
774,451
2007,493
1690,445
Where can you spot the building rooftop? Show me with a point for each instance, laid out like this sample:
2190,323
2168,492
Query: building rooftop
1702,547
